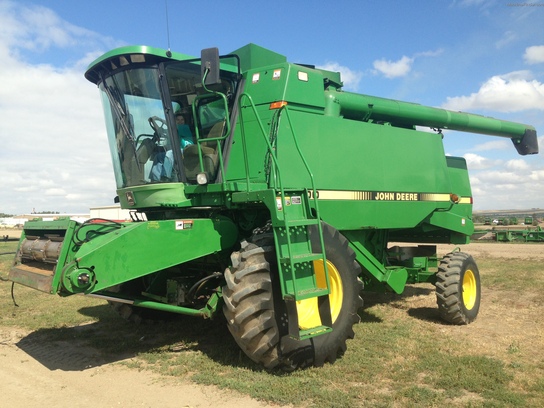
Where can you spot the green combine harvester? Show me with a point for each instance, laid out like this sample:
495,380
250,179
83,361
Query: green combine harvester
259,188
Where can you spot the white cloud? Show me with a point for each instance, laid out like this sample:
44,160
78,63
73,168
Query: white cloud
511,184
38,28
54,143
401,67
501,144
473,3
350,78
511,92
507,38
434,53
534,54
477,162
537,175
501,177
394,69
55,192
517,165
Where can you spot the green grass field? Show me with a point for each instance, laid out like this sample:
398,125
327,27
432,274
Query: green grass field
402,355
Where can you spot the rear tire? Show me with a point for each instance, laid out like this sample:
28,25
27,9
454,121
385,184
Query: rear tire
256,314
458,289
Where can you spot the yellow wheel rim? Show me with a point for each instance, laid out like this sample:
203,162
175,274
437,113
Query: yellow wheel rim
469,289
308,312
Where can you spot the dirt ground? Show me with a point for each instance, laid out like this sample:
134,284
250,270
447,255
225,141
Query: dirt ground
506,321
35,377
27,381
499,250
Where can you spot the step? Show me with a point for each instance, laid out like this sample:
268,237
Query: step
312,332
307,294
309,257
298,333
301,222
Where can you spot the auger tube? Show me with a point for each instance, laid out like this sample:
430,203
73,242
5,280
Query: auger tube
406,114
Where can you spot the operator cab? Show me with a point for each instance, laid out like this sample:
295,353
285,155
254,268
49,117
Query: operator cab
167,116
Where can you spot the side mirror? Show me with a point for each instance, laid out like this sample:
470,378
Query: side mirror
209,70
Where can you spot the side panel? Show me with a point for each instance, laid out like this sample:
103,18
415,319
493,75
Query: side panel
144,248
247,129
367,175
93,257
297,85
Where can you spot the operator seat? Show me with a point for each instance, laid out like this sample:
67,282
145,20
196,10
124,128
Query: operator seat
134,162
210,159
145,151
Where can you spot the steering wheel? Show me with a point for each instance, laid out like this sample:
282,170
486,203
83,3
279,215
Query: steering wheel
159,126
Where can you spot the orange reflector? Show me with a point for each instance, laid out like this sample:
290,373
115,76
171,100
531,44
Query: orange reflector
277,105
455,198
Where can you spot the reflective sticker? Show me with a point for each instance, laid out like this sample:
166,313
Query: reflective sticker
303,76
279,204
184,224
130,198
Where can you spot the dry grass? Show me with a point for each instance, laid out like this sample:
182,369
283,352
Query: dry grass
402,355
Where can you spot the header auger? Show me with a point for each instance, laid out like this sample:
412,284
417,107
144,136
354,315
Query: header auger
260,188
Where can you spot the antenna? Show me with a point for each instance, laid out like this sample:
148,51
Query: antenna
168,53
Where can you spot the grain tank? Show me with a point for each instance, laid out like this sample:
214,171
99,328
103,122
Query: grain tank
261,189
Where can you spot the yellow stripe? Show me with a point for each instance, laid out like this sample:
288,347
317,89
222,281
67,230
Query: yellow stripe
435,197
369,196
340,195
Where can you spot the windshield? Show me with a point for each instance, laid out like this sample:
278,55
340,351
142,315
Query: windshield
153,137
137,128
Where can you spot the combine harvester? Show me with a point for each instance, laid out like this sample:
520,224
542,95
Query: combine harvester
275,202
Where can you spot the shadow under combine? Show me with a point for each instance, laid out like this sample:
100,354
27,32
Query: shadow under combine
111,339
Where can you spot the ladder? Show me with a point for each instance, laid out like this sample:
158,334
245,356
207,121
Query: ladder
296,259
291,223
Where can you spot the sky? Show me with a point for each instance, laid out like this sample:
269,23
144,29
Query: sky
479,56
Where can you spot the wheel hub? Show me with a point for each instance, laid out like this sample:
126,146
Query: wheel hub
308,311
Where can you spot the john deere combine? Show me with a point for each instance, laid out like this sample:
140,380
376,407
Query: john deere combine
260,188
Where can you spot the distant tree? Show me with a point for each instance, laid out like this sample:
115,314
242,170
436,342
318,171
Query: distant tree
478,219
3,215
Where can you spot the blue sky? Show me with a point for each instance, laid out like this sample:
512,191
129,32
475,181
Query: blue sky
480,56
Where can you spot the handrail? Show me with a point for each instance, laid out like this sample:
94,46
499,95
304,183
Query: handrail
200,140
277,173
269,146
314,190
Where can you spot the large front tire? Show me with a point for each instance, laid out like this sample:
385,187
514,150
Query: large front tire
458,289
256,315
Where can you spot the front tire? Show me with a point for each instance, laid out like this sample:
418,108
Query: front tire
256,315
458,289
